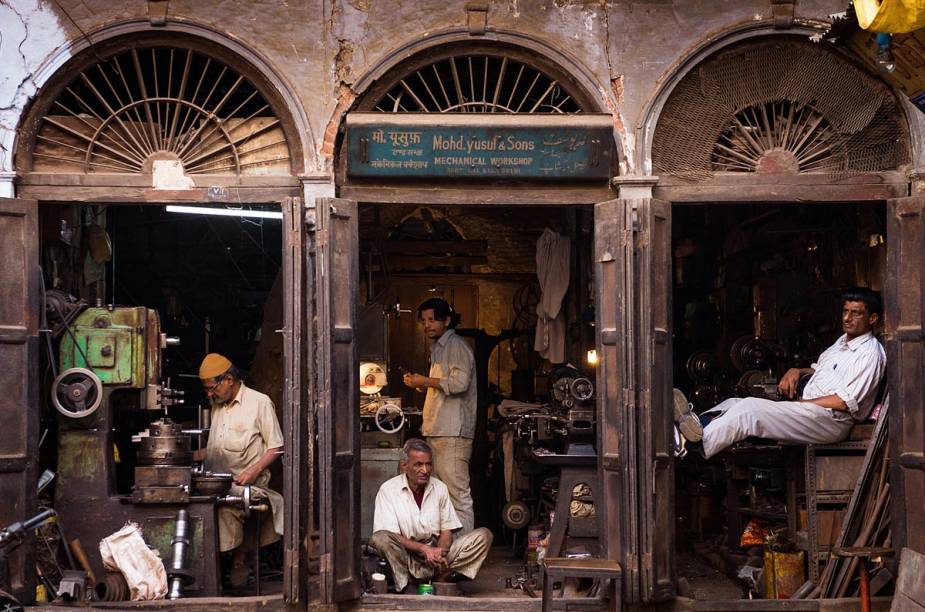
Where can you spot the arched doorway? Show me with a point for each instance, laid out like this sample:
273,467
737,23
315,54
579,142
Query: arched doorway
784,165
450,114
126,128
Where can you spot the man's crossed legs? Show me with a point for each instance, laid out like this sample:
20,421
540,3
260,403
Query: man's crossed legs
466,555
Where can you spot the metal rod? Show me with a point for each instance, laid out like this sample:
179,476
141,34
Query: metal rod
179,544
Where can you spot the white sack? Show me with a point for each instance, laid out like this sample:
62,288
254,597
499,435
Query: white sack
125,551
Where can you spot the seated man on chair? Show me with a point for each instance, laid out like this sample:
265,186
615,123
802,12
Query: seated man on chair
840,392
414,520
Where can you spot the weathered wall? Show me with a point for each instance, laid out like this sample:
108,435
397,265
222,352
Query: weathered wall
323,49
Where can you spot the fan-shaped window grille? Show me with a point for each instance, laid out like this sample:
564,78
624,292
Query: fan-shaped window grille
477,83
779,106
778,137
151,103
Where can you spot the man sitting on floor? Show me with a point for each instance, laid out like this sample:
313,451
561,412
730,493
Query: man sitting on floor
414,520
840,392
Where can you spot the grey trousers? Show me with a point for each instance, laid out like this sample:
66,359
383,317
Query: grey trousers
796,422
466,555
451,467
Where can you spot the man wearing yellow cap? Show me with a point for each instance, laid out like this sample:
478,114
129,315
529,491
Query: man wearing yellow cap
244,439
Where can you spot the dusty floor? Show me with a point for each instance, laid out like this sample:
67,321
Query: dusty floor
499,566
705,581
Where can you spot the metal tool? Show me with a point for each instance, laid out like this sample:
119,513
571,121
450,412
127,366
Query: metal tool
178,574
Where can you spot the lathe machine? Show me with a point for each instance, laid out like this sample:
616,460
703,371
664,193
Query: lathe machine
109,360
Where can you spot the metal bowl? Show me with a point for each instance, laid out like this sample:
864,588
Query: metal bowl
212,485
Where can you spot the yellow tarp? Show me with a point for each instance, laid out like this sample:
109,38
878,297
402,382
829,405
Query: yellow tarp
890,16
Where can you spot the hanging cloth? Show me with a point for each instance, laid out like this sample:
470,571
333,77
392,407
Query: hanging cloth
890,16
552,269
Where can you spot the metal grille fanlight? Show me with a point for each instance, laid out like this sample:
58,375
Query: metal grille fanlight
778,105
152,103
778,137
477,83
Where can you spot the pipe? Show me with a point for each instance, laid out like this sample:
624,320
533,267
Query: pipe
79,554
179,544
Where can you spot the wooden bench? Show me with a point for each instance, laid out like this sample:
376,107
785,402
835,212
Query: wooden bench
555,568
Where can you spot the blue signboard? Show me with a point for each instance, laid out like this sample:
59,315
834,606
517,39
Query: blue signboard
481,146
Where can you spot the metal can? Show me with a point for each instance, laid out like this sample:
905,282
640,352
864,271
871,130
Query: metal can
425,589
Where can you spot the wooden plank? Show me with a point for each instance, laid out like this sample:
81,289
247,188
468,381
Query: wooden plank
439,602
911,582
428,261
263,603
297,427
905,323
865,483
655,425
616,409
469,247
336,286
146,195
51,179
739,179
477,195
19,383
798,194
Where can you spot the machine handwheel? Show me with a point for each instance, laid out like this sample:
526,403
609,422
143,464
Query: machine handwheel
515,515
77,393
389,418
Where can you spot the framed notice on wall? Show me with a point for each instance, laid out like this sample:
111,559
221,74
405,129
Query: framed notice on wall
489,146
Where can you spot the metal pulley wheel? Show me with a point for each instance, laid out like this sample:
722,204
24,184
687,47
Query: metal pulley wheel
701,366
750,383
749,353
389,418
582,389
77,393
515,515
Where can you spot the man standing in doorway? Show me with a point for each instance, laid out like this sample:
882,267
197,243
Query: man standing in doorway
450,406
245,439
840,392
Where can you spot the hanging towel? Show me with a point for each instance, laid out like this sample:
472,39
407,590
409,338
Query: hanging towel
552,269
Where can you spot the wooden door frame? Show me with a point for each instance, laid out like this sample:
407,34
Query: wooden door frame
796,189
19,343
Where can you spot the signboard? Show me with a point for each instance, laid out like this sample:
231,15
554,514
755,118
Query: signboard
489,146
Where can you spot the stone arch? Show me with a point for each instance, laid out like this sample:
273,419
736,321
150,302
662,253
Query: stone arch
59,70
590,94
754,37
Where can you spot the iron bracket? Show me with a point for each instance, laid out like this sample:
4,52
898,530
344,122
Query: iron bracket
477,18
157,12
782,13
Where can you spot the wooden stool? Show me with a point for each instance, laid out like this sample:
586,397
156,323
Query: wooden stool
561,567
863,554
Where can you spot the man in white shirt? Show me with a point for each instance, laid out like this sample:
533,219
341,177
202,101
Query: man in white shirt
450,405
840,392
414,520
245,439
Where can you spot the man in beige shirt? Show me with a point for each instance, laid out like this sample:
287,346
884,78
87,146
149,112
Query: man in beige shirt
414,520
244,440
450,406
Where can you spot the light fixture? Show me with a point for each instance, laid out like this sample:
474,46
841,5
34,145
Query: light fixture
226,212
591,357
